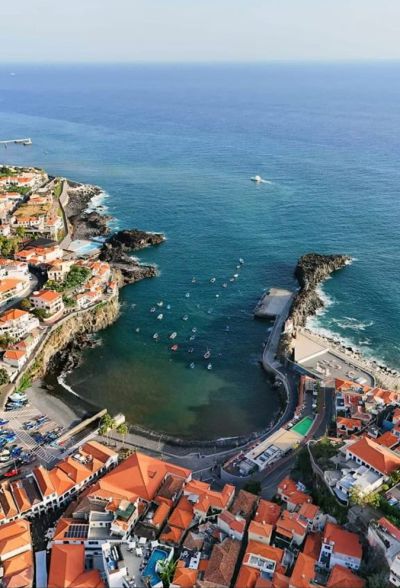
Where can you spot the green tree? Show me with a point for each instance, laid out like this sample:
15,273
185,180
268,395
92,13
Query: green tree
123,430
167,571
6,340
40,313
25,304
107,423
20,232
254,486
4,379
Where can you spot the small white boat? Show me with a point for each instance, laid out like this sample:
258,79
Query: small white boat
161,303
212,280
168,307
209,366
258,180
192,337
231,279
192,365
207,354
153,309
224,285
217,296
137,330
209,311
185,317
241,260
173,335
227,328
193,280
235,275
187,295
156,336
238,267
160,317
194,330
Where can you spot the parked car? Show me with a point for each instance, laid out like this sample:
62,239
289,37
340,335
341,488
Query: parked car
3,422
12,473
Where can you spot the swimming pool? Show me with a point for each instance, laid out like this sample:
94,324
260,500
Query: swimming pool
303,426
150,569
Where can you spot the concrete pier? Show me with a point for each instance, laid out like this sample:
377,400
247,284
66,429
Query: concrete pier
273,303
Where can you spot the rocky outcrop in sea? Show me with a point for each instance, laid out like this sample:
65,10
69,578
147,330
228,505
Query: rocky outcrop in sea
311,270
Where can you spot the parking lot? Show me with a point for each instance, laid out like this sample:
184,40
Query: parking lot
331,365
33,439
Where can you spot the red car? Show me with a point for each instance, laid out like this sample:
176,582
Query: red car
12,473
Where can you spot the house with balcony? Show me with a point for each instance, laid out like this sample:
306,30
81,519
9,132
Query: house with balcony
49,301
340,547
17,323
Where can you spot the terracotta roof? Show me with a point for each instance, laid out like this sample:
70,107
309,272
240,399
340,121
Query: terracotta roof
193,541
65,523
182,516
171,534
139,476
67,568
235,523
387,440
44,481
12,315
222,562
380,458
312,545
13,536
247,577
160,514
20,496
18,571
288,489
267,512
46,295
309,511
262,550
9,284
348,423
389,527
14,354
303,574
9,508
99,451
343,541
342,577
244,504
261,529
290,523
185,577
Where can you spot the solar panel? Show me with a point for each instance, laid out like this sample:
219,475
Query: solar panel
77,532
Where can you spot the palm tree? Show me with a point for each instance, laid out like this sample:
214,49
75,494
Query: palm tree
167,571
123,430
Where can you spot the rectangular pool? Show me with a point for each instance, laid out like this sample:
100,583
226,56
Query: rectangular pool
303,426
150,569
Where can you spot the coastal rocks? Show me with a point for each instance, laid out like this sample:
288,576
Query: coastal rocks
90,224
133,240
71,329
116,250
311,270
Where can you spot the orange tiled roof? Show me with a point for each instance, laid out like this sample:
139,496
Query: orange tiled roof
244,504
9,284
247,577
14,354
12,315
184,577
380,458
348,423
9,508
13,536
99,451
268,512
18,571
312,545
235,523
160,514
390,527
171,534
288,489
64,524
343,541
44,481
222,562
290,524
205,498
309,511
20,496
67,568
303,574
261,529
262,550
182,515
139,476
387,440
342,577
47,295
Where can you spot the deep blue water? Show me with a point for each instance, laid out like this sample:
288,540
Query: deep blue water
174,147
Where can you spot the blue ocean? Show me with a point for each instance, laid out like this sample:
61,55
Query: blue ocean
174,148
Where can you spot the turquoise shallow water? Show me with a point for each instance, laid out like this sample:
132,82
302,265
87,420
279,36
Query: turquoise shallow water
174,148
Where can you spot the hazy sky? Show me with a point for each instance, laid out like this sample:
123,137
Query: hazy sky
199,30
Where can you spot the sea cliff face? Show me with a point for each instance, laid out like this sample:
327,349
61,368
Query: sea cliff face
90,320
311,270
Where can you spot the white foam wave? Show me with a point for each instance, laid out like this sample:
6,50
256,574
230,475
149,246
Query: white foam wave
353,324
61,380
98,200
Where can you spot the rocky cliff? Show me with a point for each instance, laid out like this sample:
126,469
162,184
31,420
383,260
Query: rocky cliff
87,321
311,270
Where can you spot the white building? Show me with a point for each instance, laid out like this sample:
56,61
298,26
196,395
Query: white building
17,323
